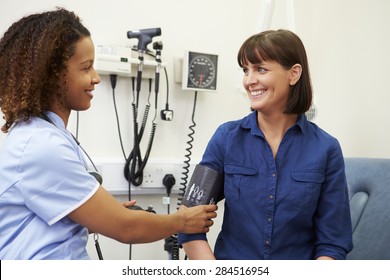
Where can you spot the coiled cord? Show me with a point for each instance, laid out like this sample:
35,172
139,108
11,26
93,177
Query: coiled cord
184,180
135,164
186,167
175,248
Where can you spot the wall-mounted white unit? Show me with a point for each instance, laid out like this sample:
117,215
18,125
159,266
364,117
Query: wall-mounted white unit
123,61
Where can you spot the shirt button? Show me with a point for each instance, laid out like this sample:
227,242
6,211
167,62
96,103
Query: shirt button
274,174
267,242
269,219
271,196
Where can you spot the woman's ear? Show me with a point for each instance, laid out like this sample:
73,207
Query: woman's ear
295,74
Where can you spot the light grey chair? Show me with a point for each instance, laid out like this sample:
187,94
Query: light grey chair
369,190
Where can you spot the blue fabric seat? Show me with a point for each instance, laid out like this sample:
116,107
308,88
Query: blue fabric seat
369,190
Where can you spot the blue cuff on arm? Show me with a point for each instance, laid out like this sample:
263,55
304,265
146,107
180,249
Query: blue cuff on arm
331,251
184,237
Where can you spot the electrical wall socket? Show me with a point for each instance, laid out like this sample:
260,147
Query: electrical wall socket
112,171
155,171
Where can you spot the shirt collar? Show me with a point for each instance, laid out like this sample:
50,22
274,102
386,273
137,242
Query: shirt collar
55,119
250,122
302,123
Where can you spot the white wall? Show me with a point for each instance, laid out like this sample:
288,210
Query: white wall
347,45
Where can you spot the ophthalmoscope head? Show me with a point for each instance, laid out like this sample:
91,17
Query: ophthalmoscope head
144,36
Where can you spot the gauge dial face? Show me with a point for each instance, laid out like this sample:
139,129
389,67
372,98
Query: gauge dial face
202,71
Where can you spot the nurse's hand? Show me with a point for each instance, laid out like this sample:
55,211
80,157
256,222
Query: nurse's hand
196,219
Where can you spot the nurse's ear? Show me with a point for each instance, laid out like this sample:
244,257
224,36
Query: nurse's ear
295,74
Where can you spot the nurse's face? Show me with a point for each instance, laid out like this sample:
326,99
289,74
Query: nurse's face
81,77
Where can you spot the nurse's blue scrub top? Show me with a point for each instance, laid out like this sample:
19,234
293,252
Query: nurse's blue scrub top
43,179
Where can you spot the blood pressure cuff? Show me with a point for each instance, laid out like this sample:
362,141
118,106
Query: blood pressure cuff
205,187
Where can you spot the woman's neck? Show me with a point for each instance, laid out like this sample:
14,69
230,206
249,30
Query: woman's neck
274,128
276,124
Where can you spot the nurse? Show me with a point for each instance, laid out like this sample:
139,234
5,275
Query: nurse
49,203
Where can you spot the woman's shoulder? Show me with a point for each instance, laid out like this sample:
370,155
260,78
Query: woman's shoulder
38,138
237,123
321,134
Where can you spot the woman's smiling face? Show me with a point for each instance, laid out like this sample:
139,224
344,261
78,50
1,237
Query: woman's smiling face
267,85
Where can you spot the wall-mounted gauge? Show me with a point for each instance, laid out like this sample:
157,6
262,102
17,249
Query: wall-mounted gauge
200,71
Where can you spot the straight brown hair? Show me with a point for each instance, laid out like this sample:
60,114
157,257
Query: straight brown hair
287,49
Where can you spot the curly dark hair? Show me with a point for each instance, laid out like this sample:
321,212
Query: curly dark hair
33,53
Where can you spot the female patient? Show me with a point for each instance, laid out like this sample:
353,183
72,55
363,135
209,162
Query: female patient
49,202
285,188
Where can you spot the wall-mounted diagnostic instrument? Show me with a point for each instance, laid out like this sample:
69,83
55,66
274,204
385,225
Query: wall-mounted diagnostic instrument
200,71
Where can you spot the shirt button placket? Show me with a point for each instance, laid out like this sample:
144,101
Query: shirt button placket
269,226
